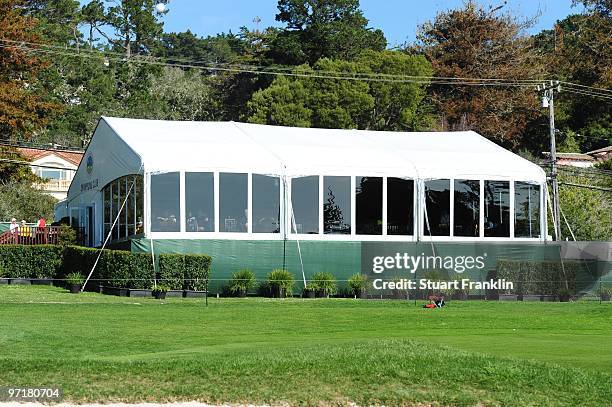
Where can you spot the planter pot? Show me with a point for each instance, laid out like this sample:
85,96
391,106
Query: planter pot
4,281
20,281
363,295
278,292
564,297
322,294
75,288
242,294
42,281
159,295
549,298
532,297
175,293
508,297
194,294
120,292
139,293
308,294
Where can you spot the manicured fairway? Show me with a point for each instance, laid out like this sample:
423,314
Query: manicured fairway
101,348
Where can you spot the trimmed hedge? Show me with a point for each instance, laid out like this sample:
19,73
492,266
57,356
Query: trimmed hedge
185,271
546,277
172,270
40,262
116,268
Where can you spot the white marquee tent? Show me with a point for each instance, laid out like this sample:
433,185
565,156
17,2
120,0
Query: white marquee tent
125,147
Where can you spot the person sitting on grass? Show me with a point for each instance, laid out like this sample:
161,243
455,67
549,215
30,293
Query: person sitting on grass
435,302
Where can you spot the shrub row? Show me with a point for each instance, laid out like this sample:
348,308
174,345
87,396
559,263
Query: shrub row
40,262
545,277
115,268
185,271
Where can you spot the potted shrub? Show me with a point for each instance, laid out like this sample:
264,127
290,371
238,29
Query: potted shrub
74,282
605,293
310,290
281,283
565,294
241,282
159,291
326,284
358,284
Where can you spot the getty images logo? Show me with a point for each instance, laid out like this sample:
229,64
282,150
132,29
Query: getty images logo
404,261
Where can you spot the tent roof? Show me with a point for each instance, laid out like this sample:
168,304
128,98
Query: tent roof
239,147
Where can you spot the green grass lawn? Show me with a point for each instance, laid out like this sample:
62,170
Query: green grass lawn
102,348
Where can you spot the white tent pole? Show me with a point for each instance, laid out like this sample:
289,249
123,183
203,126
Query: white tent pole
111,229
433,250
293,223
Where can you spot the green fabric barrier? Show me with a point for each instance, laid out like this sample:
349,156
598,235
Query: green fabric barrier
345,258
4,227
342,259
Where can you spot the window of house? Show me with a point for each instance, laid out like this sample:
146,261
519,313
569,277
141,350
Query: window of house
497,209
437,205
467,208
526,210
305,204
368,205
400,206
233,203
165,202
200,202
337,205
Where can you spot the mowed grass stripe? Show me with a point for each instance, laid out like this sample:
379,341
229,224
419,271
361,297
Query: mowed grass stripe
101,348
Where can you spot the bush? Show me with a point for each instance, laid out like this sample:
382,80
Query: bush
172,270
324,282
281,282
160,288
74,279
39,262
197,271
242,281
66,236
358,283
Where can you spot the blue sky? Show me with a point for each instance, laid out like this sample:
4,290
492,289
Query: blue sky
397,18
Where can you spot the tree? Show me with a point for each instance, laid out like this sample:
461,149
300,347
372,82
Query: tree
22,109
579,50
22,201
318,29
472,42
346,103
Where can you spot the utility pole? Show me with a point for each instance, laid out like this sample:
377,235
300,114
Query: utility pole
548,100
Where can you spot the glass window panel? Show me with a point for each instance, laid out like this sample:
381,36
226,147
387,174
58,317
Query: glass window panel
165,206
400,209
233,196
497,209
131,205
337,205
107,210
123,188
139,204
266,204
368,205
115,212
200,202
437,201
50,174
526,210
467,208
305,202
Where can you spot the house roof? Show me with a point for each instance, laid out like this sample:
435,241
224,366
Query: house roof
165,146
601,150
33,154
572,156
